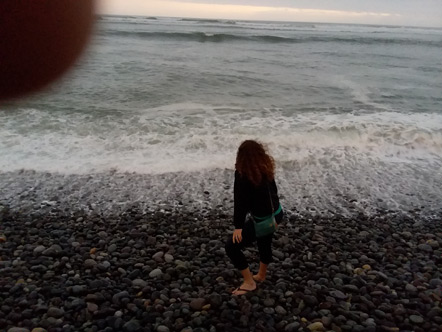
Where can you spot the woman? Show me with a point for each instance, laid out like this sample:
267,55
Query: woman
255,192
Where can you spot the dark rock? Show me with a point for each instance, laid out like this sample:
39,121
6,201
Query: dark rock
55,312
215,300
310,300
292,327
338,294
79,289
416,319
351,288
434,283
90,263
139,283
52,251
132,326
197,304
280,310
425,247
269,302
117,298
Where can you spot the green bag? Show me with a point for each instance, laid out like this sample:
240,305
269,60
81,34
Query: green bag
265,227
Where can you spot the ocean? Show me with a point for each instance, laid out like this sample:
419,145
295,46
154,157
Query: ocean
155,110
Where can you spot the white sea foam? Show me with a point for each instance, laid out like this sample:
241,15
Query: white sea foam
193,137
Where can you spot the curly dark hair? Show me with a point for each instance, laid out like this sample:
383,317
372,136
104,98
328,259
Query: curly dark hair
253,162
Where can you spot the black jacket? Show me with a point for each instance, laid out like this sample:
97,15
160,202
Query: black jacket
256,200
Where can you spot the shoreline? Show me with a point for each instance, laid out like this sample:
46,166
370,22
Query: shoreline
303,194
167,271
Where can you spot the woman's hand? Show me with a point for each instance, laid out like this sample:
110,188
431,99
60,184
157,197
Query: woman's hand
237,235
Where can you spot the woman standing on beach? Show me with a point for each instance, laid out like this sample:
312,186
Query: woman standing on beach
255,192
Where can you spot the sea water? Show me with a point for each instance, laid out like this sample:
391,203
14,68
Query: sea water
352,114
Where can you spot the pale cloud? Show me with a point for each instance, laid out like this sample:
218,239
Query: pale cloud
227,10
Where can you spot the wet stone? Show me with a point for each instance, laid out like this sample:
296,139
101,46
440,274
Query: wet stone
116,299
197,304
410,288
338,294
292,327
92,307
162,328
139,283
351,288
132,326
310,300
39,249
434,283
156,273
269,310
416,319
317,326
280,310
269,302
425,247
55,312
90,263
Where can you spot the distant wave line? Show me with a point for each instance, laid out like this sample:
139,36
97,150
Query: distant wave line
207,21
221,37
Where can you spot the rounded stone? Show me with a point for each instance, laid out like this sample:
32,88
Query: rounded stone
155,273
425,247
269,310
55,312
269,302
317,326
39,249
131,326
351,288
90,263
416,319
112,248
280,310
292,327
162,328
92,307
102,234
410,288
158,257
310,300
197,304
338,294
434,283
139,283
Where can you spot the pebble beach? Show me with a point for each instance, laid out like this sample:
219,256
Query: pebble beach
165,269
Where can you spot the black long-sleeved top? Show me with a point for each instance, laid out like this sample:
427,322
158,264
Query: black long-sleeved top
256,200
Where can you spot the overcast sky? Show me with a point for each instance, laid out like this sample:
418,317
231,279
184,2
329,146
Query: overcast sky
391,12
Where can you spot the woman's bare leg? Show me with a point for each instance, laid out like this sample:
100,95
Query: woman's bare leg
261,275
248,284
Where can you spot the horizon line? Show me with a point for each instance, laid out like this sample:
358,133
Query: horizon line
273,21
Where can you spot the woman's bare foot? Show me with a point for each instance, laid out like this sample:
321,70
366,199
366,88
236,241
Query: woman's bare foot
244,289
258,278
